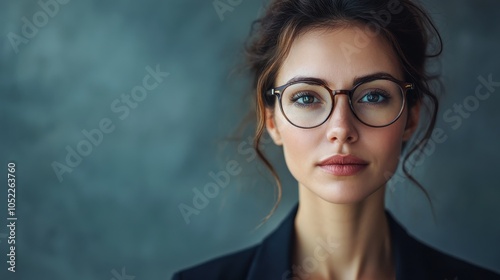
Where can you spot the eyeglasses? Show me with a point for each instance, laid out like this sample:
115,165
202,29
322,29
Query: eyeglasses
308,103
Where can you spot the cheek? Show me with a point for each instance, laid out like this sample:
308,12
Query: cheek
298,145
384,145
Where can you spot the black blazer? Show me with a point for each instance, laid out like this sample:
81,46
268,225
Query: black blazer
271,259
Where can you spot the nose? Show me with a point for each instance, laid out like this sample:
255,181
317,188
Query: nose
340,126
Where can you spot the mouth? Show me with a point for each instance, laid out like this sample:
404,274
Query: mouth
343,165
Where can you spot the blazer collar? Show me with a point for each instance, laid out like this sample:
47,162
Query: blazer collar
408,254
273,258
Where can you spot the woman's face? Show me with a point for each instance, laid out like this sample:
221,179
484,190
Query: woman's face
339,57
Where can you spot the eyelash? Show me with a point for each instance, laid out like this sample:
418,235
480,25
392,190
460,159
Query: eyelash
379,92
299,95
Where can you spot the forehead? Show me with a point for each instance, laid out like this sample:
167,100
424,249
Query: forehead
339,55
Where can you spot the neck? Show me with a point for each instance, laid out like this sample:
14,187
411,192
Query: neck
342,241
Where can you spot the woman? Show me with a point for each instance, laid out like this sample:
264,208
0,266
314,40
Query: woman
340,85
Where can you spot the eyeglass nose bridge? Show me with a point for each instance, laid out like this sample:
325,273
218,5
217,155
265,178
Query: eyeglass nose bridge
335,92
347,92
341,91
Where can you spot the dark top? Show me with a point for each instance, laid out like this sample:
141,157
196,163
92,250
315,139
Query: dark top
271,259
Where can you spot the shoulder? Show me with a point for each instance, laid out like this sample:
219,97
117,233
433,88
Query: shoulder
451,267
415,257
230,266
270,259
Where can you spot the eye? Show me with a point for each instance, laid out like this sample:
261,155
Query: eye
374,97
305,98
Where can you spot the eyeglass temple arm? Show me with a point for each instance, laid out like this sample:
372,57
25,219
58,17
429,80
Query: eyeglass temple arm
275,91
272,92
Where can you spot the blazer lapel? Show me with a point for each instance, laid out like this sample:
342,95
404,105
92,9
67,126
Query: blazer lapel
273,257
408,254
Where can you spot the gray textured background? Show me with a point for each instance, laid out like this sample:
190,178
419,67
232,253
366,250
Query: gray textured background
117,211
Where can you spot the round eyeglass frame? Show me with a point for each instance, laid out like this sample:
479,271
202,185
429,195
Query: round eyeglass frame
277,91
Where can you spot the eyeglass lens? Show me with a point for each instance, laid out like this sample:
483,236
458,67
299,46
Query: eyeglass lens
375,103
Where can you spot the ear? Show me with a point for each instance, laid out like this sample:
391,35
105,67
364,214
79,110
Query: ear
412,121
271,127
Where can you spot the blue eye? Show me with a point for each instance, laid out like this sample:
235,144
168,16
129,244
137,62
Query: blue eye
374,97
304,98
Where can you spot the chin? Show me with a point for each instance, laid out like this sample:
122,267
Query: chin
344,193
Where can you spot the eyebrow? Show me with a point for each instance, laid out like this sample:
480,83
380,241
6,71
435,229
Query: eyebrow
355,81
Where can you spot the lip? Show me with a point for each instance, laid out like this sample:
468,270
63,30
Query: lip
343,165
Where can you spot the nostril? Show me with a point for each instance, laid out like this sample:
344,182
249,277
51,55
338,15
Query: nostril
341,128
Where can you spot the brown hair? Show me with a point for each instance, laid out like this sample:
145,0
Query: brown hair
406,26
